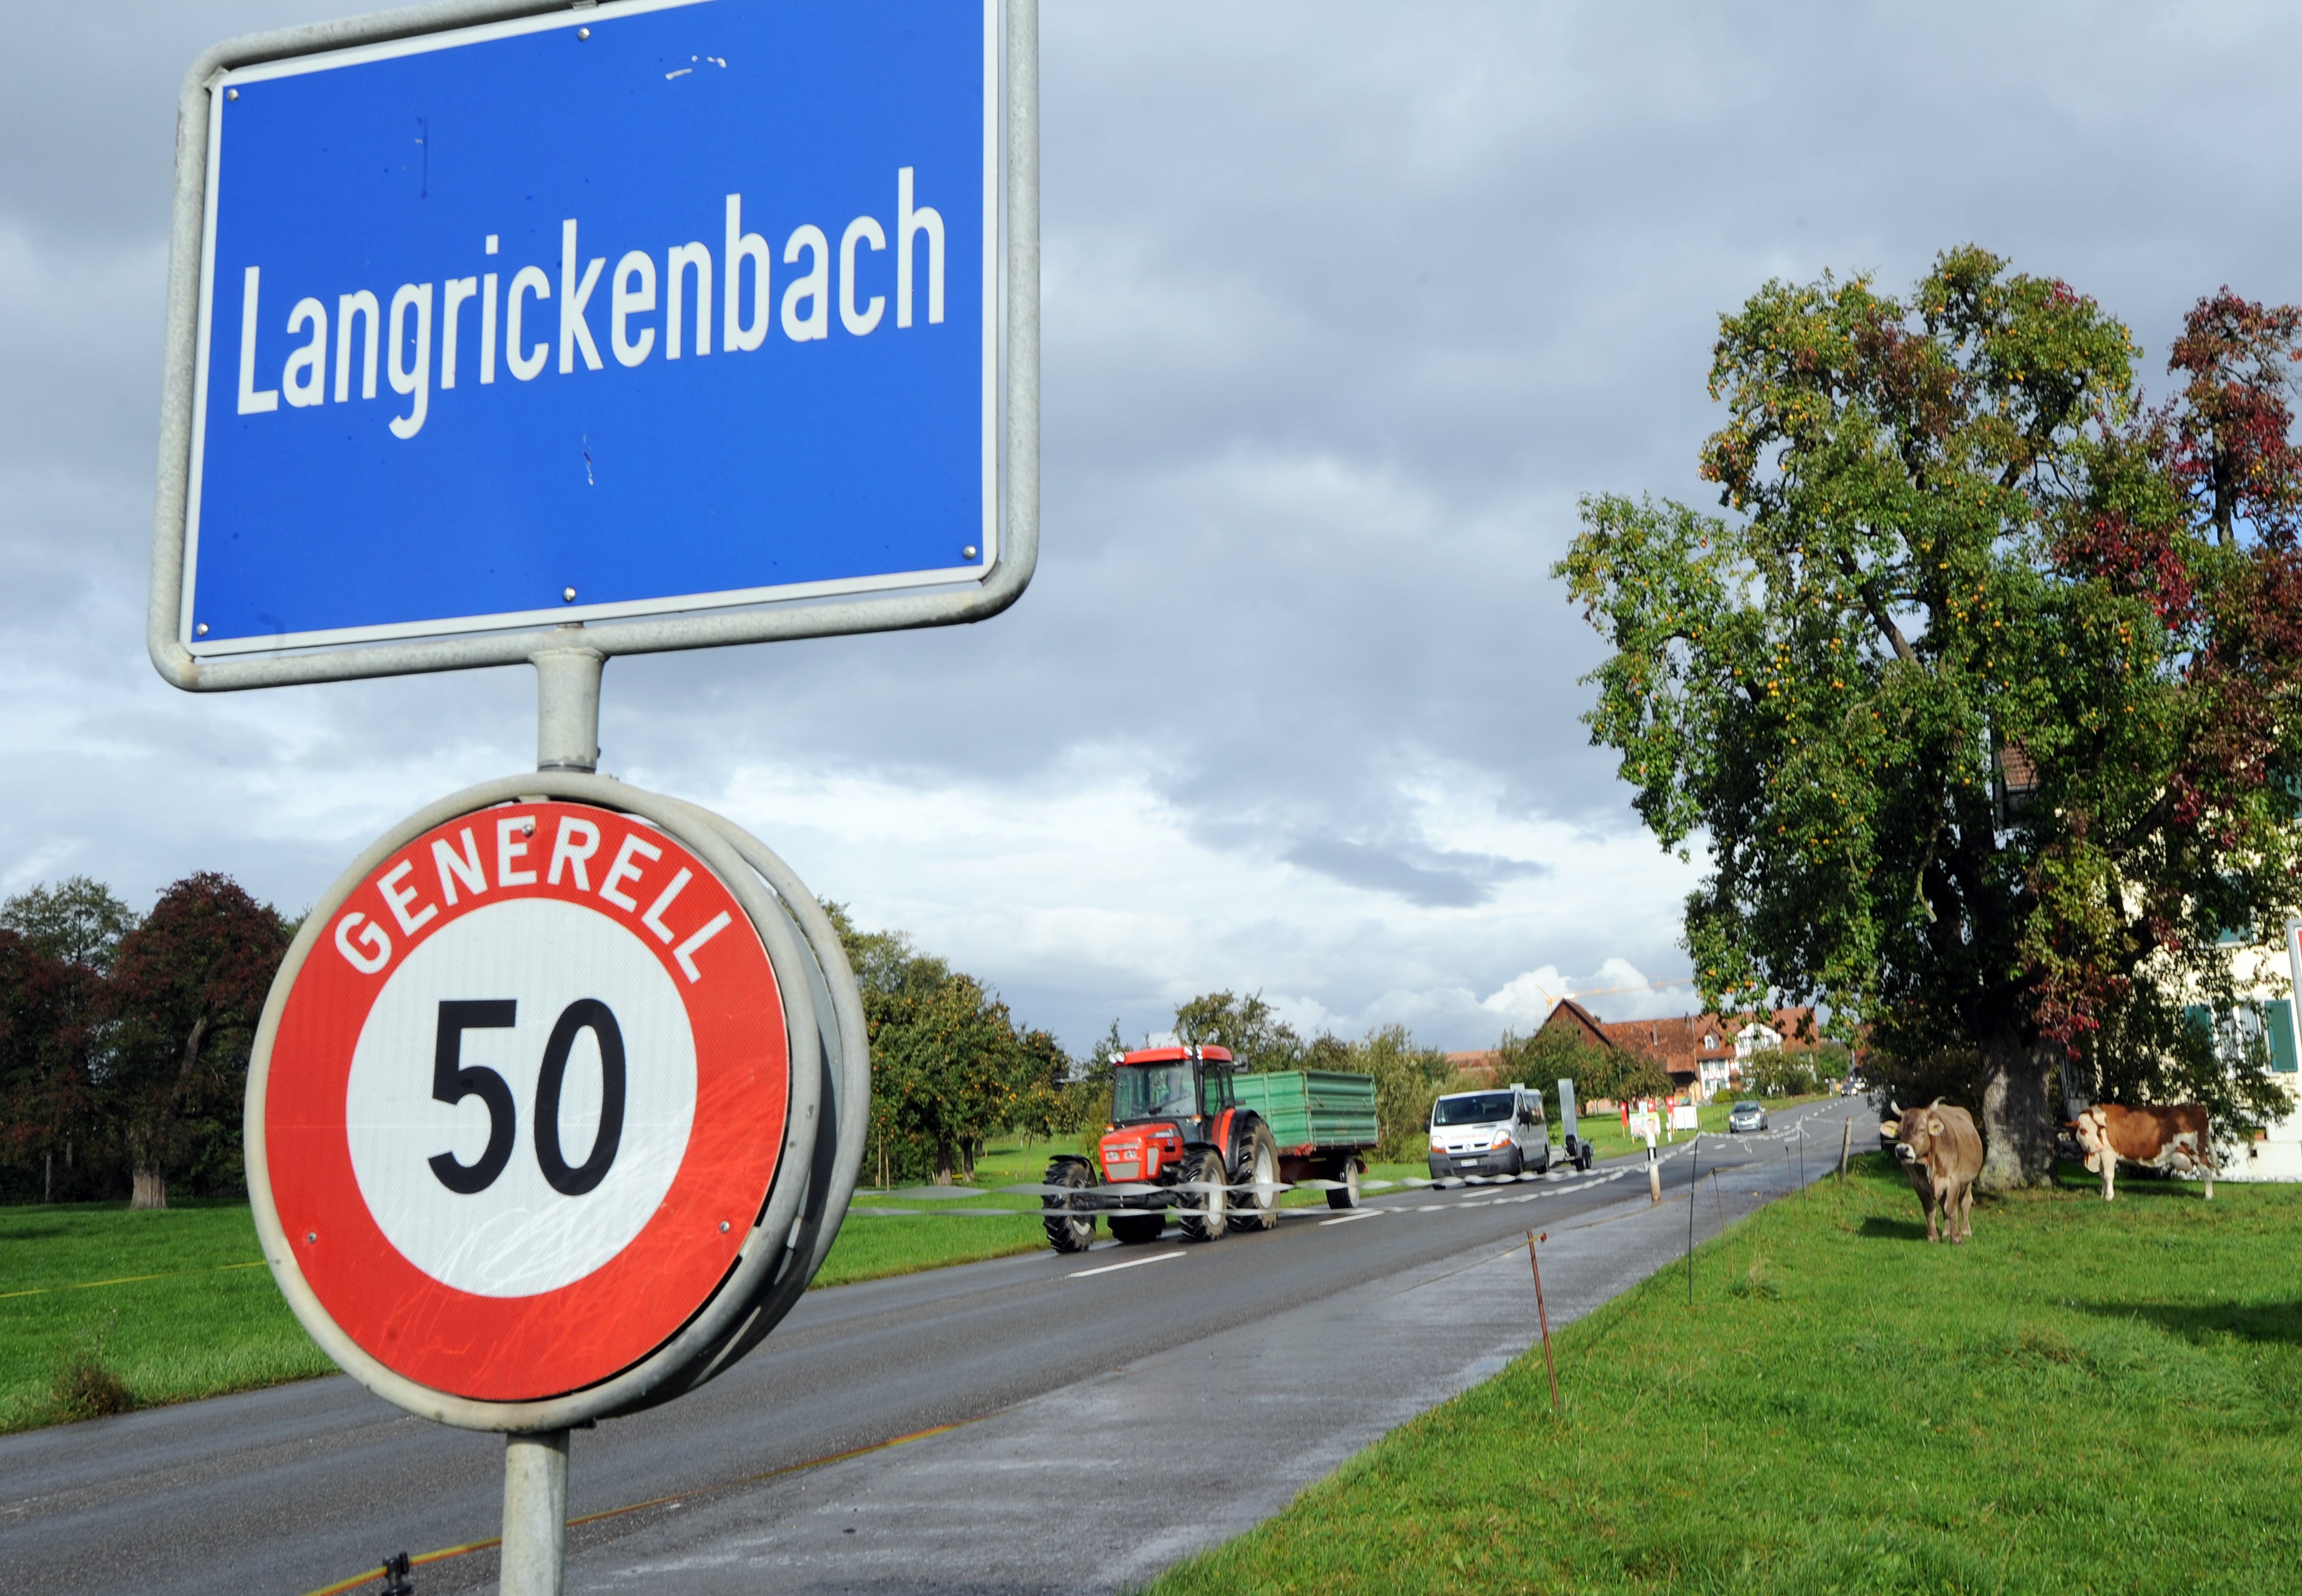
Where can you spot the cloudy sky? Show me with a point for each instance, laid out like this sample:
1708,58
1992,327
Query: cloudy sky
1345,304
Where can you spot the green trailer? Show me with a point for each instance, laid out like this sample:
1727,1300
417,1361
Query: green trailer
1322,1120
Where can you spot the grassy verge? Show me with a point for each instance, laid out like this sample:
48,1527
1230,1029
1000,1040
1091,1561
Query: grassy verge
206,1324
102,1309
2085,1398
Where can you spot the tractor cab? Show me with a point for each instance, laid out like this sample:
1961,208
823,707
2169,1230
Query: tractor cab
1165,1101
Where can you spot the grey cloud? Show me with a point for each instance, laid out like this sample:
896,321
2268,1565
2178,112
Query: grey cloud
1419,874
1345,304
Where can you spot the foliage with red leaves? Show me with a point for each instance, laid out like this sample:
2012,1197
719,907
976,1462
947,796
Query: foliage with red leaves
184,995
47,1013
2228,442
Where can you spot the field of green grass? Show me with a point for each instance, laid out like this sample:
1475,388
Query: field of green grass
176,1304
2085,1398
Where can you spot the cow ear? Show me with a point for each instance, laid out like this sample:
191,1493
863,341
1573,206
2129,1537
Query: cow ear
1934,1128
1890,1127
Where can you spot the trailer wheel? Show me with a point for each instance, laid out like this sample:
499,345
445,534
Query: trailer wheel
1259,1168
1347,1195
1205,1215
1133,1229
1067,1233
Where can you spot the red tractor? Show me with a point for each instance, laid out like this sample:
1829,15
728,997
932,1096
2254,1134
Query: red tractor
1177,1139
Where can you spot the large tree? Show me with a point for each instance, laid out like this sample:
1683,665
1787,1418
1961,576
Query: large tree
1249,1026
75,922
1985,692
47,1015
949,1066
186,988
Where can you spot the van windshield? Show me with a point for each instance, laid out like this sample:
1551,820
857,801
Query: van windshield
1475,1108
1151,1091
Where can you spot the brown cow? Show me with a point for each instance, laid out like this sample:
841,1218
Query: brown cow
1939,1149
2178,1139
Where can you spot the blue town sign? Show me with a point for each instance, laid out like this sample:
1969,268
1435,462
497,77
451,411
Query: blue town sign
666,306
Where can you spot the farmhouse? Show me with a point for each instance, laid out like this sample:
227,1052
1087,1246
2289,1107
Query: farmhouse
1703,1054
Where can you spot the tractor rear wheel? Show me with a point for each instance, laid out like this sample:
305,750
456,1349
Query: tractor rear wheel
1347,1195
1067,1233
1133,1229
1204,1215
1259,1167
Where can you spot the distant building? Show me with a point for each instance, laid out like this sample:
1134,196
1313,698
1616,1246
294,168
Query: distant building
1702,1053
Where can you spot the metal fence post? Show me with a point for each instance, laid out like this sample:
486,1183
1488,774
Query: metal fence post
535,1514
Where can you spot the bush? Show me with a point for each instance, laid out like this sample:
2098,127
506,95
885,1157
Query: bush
83,1385
1776,1073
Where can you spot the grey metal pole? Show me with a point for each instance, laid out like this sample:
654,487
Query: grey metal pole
535,1514
568,703
535,1464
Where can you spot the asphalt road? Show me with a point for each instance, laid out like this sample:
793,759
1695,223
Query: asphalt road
289,1490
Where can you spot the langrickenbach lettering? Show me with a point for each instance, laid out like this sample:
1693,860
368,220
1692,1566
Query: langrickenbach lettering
630,313
552,320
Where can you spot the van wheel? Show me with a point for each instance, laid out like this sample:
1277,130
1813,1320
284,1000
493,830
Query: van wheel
1067,1233
1347,1195
1205,1213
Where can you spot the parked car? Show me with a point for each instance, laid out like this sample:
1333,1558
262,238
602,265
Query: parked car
1747,1115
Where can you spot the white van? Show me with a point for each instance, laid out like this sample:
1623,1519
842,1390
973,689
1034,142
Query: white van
1499,1131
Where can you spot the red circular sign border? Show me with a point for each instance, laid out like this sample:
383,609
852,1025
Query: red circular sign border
516,1350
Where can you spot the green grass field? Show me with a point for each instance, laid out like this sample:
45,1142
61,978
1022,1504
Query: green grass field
2086,1398
177,1304
206,1324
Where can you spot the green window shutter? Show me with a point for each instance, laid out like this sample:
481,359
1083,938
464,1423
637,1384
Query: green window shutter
2279,1018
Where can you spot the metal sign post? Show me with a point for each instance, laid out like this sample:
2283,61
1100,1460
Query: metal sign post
501,332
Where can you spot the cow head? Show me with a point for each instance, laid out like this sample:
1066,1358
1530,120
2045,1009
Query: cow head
2093,1131
1914,1137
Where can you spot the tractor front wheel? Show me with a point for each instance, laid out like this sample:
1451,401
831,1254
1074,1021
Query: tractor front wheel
1067,1233
1204,1215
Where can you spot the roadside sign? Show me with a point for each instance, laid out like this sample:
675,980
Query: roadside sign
621,315
523,1099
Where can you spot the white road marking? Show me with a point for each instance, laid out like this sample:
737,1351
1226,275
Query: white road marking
1346,1219
1080,1274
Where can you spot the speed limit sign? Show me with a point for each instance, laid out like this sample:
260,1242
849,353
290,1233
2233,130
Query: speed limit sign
534,1104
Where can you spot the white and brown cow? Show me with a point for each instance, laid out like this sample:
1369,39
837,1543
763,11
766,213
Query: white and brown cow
1939,1149
2177,1139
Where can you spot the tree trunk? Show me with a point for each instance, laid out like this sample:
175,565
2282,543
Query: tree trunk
2018,1118
151,1186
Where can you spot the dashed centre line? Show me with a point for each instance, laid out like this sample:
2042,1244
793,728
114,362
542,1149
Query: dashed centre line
1080,1274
